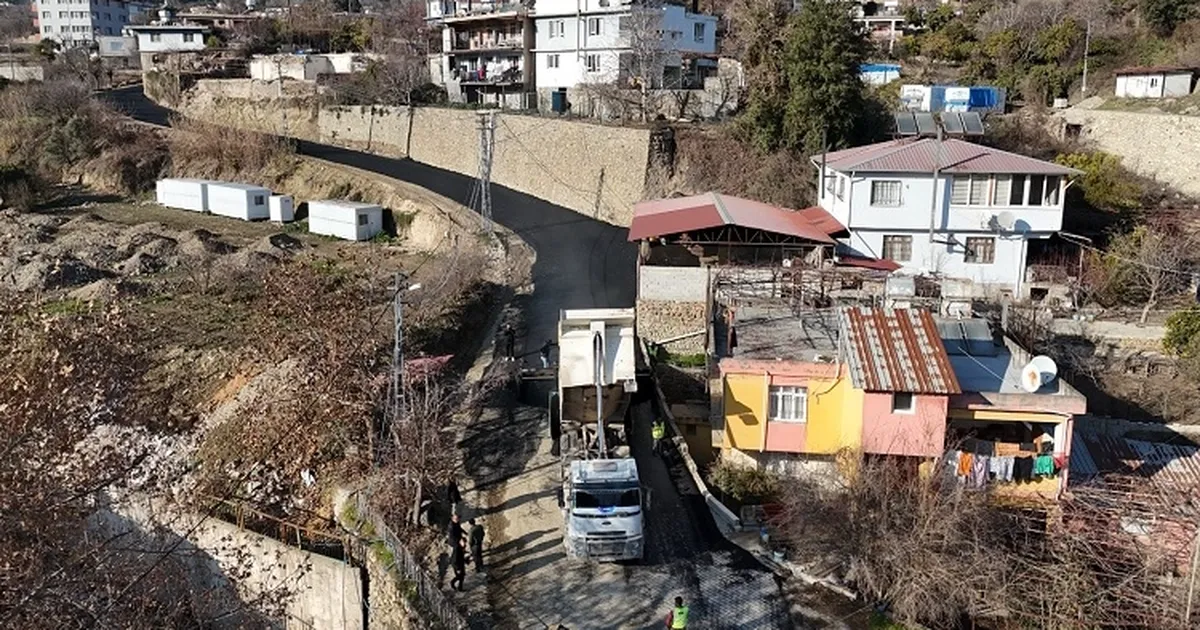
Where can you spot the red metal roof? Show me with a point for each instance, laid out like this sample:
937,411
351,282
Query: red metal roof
662,217
1156,70
880,264
896,350
920,155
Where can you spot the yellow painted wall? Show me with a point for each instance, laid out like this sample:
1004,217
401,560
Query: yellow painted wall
745,395
835,416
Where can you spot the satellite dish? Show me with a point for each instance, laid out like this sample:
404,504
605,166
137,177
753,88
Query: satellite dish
1003,222
1040,371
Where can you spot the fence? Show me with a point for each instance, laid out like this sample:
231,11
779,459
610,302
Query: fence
426,596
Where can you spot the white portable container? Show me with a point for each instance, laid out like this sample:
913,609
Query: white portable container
350,220
238,201
182,193
282,210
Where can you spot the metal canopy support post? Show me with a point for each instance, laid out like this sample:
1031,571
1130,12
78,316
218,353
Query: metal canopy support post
598,351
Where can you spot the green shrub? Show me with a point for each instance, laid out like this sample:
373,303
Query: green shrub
745,484
1183,329
1106,184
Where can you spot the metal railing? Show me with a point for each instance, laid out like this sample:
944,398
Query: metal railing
429,599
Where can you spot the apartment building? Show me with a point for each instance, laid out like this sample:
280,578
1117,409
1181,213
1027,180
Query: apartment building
487,52
501,52
76,23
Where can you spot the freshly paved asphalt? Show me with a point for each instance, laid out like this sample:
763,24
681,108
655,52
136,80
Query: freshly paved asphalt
585,263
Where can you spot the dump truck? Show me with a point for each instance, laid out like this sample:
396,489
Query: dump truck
589,410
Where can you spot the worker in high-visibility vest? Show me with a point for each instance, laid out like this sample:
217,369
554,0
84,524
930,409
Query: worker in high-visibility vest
658,431
677,618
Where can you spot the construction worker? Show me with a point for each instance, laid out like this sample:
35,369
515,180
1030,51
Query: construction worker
658,431
678,617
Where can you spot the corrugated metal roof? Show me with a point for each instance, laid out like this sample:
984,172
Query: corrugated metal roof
662,217
1157,70
920,155
1170,471
896,350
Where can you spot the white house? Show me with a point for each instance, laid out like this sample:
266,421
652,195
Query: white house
168,37
1155,82
79,23
594,41
973,220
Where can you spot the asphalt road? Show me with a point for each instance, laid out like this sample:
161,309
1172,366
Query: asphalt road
581,263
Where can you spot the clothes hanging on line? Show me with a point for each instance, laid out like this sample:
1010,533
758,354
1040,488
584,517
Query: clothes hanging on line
979,470
1043,466
964,464
1002,468
1023,469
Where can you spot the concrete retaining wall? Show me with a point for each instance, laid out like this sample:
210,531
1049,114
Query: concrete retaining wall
224,563
593,169
1149,144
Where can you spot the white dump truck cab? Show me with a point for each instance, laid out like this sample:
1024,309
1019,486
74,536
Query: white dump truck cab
602,495
604,510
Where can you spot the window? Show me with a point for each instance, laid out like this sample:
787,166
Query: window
1052,185
107,31
259,200
788,404
698,32
885,193
62,15
592,63
902,402
593,26
107,17
1153,82
551,61
556,28
156,37
189,37
980,251
46,14
969,190
1001,190
1017,196
362,219
47,29
897,248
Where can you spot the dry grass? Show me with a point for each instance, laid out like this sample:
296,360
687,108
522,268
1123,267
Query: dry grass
210,151
715,160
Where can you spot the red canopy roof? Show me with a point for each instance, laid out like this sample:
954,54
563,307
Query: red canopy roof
662,217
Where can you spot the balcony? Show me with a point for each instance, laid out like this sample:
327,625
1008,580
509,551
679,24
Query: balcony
464,11
512,76
471,44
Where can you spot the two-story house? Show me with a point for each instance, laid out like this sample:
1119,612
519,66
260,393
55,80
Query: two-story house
487,52
799,390
948,207
616,41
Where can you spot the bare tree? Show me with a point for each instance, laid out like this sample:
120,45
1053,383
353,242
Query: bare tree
1149,263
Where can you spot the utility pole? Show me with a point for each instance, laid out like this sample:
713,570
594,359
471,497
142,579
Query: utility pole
1087,47
487,144
397,397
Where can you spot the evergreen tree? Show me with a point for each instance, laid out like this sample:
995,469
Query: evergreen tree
1164,15
812,89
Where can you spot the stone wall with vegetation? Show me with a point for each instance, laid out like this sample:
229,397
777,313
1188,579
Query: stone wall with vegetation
1150,144
596,170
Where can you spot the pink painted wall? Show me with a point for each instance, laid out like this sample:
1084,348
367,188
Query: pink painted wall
788,437
920,433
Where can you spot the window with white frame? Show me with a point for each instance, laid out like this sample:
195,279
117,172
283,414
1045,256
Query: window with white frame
980,250
698,32
46,14
885,192
592,63
557,28
969,190
189,37
788,404
594,27
897,247
551,61
156,37
902,402
47,29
